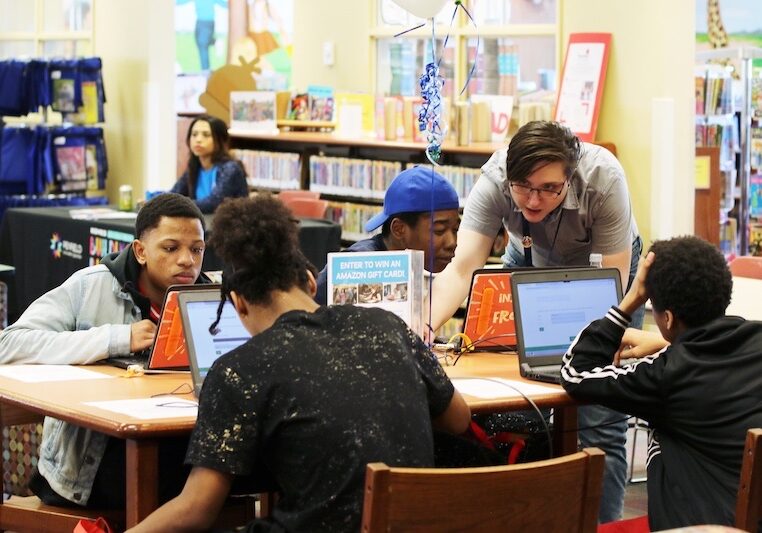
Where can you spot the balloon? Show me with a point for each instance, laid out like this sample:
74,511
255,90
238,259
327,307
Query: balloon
424,9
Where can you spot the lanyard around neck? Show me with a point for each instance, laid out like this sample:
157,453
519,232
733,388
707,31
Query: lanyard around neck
526,241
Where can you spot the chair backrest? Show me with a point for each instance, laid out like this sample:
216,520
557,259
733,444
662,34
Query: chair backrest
555,495
749,503
307,207
746,266
286,196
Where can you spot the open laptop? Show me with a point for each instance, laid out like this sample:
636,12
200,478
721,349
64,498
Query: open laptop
168,351
552,307
198,310
489,319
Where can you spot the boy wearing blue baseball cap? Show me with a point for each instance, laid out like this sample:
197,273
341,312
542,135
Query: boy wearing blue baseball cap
406,222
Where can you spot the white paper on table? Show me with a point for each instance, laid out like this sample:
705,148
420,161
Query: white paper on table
46,373
498,387
97,213
150,408
118,214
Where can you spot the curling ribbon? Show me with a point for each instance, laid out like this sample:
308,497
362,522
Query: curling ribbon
431,83
430,113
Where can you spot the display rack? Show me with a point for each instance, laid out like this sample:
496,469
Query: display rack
743,108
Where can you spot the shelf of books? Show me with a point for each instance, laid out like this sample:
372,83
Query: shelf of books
353,173
728,116
717,126
755,163
270,170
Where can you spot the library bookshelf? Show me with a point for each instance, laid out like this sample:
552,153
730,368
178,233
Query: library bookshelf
351,172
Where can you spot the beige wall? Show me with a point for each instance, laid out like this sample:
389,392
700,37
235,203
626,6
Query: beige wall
652,57
136,42
346,23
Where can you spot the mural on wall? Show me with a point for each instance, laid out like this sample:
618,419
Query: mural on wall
224,39
728,23
263,29
201,35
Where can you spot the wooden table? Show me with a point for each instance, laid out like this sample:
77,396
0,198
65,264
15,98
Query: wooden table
506,366
66,400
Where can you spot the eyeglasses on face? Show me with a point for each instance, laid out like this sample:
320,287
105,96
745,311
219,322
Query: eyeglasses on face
547,192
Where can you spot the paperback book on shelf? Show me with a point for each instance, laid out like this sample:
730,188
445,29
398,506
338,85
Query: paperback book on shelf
389,280
253,111
320,103
501,109
300,107
755,195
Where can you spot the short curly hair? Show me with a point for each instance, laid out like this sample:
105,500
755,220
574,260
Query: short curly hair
541,142
258,240
167,204
691,278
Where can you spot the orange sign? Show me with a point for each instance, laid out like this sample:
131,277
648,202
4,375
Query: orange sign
489,315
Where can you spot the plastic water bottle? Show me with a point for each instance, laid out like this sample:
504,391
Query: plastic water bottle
596,260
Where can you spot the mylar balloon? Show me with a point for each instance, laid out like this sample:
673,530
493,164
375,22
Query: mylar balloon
424,9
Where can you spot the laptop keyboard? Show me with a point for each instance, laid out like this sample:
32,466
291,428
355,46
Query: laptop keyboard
548,374
139,358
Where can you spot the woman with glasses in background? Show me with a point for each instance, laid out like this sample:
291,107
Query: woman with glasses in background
560,200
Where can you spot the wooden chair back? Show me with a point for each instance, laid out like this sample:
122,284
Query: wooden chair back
555,495
746,266
749,502
307,207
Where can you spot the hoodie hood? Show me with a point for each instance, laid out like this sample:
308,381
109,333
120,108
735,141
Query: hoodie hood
718,336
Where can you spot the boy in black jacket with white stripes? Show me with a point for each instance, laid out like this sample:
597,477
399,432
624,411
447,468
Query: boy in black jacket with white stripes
700,390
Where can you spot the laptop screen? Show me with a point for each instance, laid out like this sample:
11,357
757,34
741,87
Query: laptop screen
199,311
169,351
553,308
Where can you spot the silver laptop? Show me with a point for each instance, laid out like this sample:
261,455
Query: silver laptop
198,310
551,308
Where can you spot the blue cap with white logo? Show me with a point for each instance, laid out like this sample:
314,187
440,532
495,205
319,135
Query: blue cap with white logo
415,190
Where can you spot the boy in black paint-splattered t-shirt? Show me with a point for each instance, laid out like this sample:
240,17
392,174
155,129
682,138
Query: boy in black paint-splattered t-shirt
315,395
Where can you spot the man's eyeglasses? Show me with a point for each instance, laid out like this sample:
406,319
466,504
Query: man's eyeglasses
547,192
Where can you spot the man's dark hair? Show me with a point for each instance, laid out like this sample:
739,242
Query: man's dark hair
258,240
689,277
166,205
411,219
540,143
